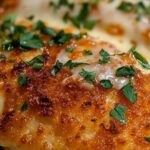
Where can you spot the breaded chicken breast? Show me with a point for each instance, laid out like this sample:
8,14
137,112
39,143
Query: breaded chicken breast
61,90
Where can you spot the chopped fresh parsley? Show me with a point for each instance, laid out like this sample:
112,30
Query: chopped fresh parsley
22,80
62,3
119,113
125,71
69,49
37,62
31,17
37,59
89,24
37,66
17,37
87,52
126,6
129,92
25,106
2,57
82,18
56,68
30,41
106,84
62,37
71,64
143,62
147,139
11,18
105,57
88,76
7,44
45,30
138,8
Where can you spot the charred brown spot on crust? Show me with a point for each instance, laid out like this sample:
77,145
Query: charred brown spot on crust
18,67
86,104
43,104
115,29
46,55
111,127
5,119
3,76
94,119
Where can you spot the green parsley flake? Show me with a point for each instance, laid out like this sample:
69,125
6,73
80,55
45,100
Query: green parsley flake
30,41
105,57
37,59
126,7
62,37
70,49
88,76
22,80
125,71
72,65
25,106
89,24
147,139
31,17
37,62
37,66
87,52
129,92
45,30
138,8
81,19
65,3
56,68
119,113
2,57
7,44
11,18
142,61
106,84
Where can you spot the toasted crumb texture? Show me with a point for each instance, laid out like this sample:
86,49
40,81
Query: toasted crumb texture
50,113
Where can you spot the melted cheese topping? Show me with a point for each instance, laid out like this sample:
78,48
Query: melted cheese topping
132,29
103,72
79,117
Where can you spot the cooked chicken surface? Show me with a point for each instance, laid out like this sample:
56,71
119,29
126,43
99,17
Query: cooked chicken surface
64,89
61,90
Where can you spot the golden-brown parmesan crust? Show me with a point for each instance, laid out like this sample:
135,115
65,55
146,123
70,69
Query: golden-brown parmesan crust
68,116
